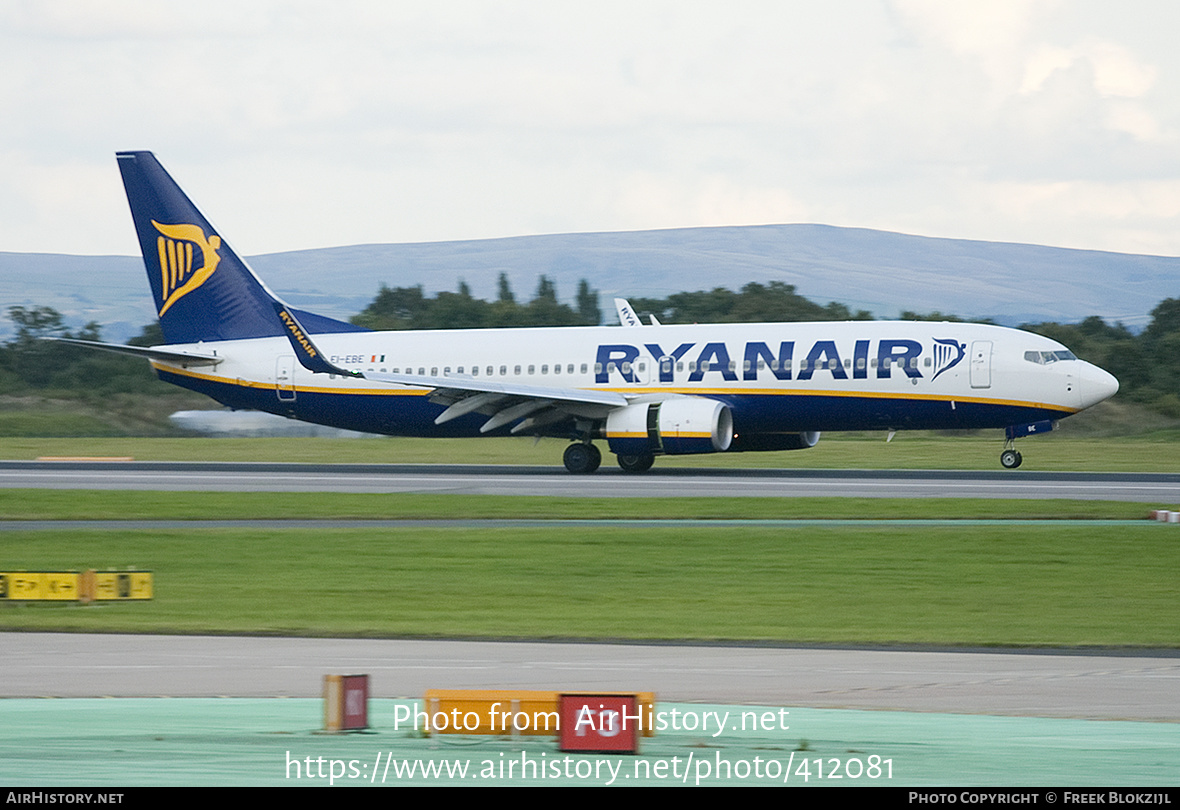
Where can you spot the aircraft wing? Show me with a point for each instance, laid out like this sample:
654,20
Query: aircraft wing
185,359
507,402
503,401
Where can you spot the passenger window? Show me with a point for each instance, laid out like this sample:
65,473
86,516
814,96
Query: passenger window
545,369
532,369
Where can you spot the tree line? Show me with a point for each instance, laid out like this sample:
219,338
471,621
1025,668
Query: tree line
410,308
29,362
1146,364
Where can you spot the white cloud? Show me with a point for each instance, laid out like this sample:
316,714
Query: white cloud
970,27
306,123
1114,71
704,200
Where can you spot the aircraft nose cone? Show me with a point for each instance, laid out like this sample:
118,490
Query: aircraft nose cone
1097,385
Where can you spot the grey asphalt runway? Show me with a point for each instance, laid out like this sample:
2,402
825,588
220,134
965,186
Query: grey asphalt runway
1138,686
508,480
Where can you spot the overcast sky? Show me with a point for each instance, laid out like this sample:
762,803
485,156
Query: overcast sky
310,124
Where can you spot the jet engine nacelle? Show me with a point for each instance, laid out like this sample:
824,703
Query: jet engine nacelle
671,427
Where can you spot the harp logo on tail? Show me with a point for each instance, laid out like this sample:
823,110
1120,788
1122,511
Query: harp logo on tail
175,245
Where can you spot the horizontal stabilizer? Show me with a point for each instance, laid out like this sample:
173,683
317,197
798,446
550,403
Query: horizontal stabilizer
150,353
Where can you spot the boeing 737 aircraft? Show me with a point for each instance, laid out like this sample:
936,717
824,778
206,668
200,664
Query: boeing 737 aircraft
646,390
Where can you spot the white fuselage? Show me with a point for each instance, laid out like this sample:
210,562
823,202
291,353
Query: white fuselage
775,377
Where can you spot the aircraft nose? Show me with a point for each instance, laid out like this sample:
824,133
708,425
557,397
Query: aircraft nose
1096,386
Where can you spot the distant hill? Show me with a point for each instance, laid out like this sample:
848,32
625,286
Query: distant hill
879,271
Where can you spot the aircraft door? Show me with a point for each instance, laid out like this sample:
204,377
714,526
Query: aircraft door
641,370
981,364
665,370
285,378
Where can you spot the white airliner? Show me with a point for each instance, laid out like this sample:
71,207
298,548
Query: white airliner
646,390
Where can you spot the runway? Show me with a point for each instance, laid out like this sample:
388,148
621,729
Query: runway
1162,488
1132,686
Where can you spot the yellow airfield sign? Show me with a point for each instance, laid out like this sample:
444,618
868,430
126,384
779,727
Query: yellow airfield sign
72,586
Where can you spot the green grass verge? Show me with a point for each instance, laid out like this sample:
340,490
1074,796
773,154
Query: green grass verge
49,504
1151,453
969,585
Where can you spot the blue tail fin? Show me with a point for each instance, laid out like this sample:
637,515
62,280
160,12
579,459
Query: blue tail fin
203,289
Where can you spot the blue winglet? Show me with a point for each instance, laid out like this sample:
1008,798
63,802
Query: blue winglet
308,353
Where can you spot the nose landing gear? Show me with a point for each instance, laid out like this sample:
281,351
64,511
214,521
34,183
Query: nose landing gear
1011,458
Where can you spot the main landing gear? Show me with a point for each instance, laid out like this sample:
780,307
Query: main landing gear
581,458
636,464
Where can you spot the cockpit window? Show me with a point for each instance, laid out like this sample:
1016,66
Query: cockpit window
1044,358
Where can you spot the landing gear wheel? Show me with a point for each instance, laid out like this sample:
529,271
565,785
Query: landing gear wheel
636,464
1011,459
581,459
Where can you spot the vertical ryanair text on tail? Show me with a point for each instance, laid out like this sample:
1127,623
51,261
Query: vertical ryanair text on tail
644,389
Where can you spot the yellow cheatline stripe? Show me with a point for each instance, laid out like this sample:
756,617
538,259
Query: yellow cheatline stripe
699,392
270,386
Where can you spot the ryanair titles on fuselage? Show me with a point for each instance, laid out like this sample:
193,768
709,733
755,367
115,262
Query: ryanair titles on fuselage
748,361
823,355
